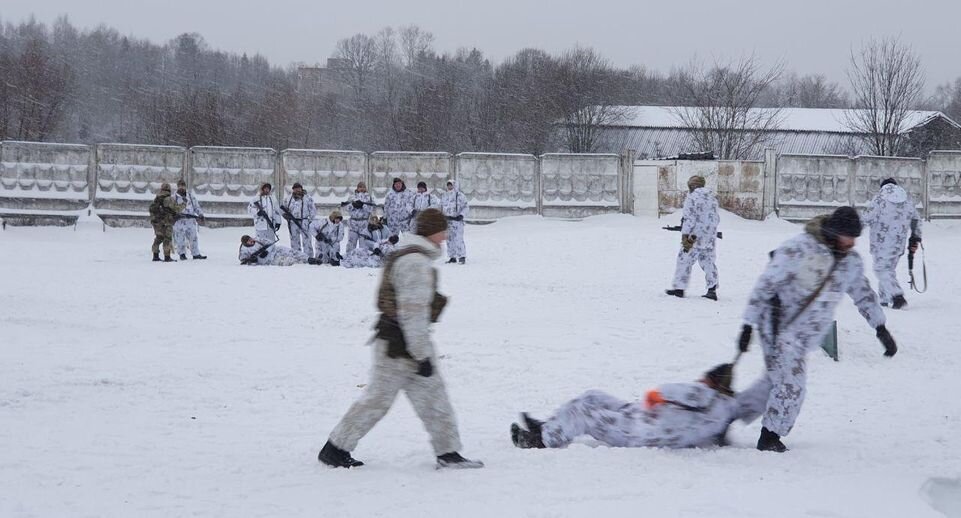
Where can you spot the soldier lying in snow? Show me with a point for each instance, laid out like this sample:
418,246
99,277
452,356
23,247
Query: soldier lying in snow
676,415
255,252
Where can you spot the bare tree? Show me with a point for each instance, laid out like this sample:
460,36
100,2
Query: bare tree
587,84
359,53
887,82
414,42
808,91
947,99
720,103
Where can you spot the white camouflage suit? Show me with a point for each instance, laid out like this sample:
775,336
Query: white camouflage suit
692,415
421,202
185,228
893,218
329,235
700,220
358,218
277,255
454,205
364,256
302,211
397,208
794,273
265,226
412,280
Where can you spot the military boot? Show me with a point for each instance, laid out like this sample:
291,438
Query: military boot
336,457
676,293
770,441
711,293
156,256
168,259
898,302
198,256
525,439
183,257
454,460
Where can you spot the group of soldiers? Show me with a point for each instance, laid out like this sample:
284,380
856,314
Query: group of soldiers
370,237
175,219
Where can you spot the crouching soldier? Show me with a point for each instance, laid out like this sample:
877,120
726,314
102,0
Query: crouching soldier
255,252
376,243
329,234
676,415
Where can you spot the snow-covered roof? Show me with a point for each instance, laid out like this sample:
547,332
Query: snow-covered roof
791,119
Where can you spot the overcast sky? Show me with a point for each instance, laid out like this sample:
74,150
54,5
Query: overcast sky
813,36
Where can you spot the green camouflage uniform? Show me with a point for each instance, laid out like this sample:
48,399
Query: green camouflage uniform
163,226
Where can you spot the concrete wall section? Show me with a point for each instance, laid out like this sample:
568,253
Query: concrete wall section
869,171
432,168
43,183
129,177
808,185
575,186
225,179
498,185
328,176
944,184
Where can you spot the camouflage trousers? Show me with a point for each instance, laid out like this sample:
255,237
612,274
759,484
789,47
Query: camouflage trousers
354,228
163,233
779,393
300,240
610,420
455,239
706,257
886,270
428,396
185,234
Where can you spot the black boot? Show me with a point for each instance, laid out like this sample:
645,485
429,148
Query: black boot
770,441
156,257
454,460
168,259
676,293
462,260
198,256
898,302
711,293
337,458
313,260
525,439
721,438
533,425
334,262
452,260
183,257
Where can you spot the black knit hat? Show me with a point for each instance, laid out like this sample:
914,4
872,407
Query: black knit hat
421,185
887,181
722,377
843,222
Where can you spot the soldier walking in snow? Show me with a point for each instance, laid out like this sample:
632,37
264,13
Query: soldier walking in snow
163,210
359,206
698,238
792,307
185,228
397,207
455,208
299,211
894,221
675,415
422,200
404,356
263,209
329,234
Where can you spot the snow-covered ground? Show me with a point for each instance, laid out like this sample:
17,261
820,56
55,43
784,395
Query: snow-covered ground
132,388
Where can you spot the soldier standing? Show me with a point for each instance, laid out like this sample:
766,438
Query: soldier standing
162,213
698,238
266,214
894,221
186,226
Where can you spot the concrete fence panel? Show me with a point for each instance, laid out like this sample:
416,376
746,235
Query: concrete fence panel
129,177
225,179
432,168
44,184
328,176
580,185
944,184
808,185
498,185
869,171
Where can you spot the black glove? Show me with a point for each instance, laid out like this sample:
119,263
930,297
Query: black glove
262,254
340,257
358,204
424,368
344,203
890,348
377,251
262,214
745,339
393,240
458,218
913,243
276,227
286,216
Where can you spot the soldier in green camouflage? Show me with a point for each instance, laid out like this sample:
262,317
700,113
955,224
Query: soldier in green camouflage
163,213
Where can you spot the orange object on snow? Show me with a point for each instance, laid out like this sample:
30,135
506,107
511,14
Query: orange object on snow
653,398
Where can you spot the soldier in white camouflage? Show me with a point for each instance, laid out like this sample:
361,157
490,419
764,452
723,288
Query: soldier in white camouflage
254,252
895,225
359,206
265,213
455,207
792,306
404,355
299,211
397,207
422,201
187,224
329,234
698,239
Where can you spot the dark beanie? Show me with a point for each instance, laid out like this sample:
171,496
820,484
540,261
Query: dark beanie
421,184
843,222
430,222
722,377
887,181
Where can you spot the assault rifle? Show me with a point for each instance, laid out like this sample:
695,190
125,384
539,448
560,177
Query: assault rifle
290,217
924,268
677,228
252,258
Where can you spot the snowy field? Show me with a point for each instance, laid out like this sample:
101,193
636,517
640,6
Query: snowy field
132,388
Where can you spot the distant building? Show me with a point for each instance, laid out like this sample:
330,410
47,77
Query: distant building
658,131
318,81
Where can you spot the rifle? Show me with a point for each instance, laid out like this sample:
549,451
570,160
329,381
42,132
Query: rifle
677,228
924,268
292,218
252,258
